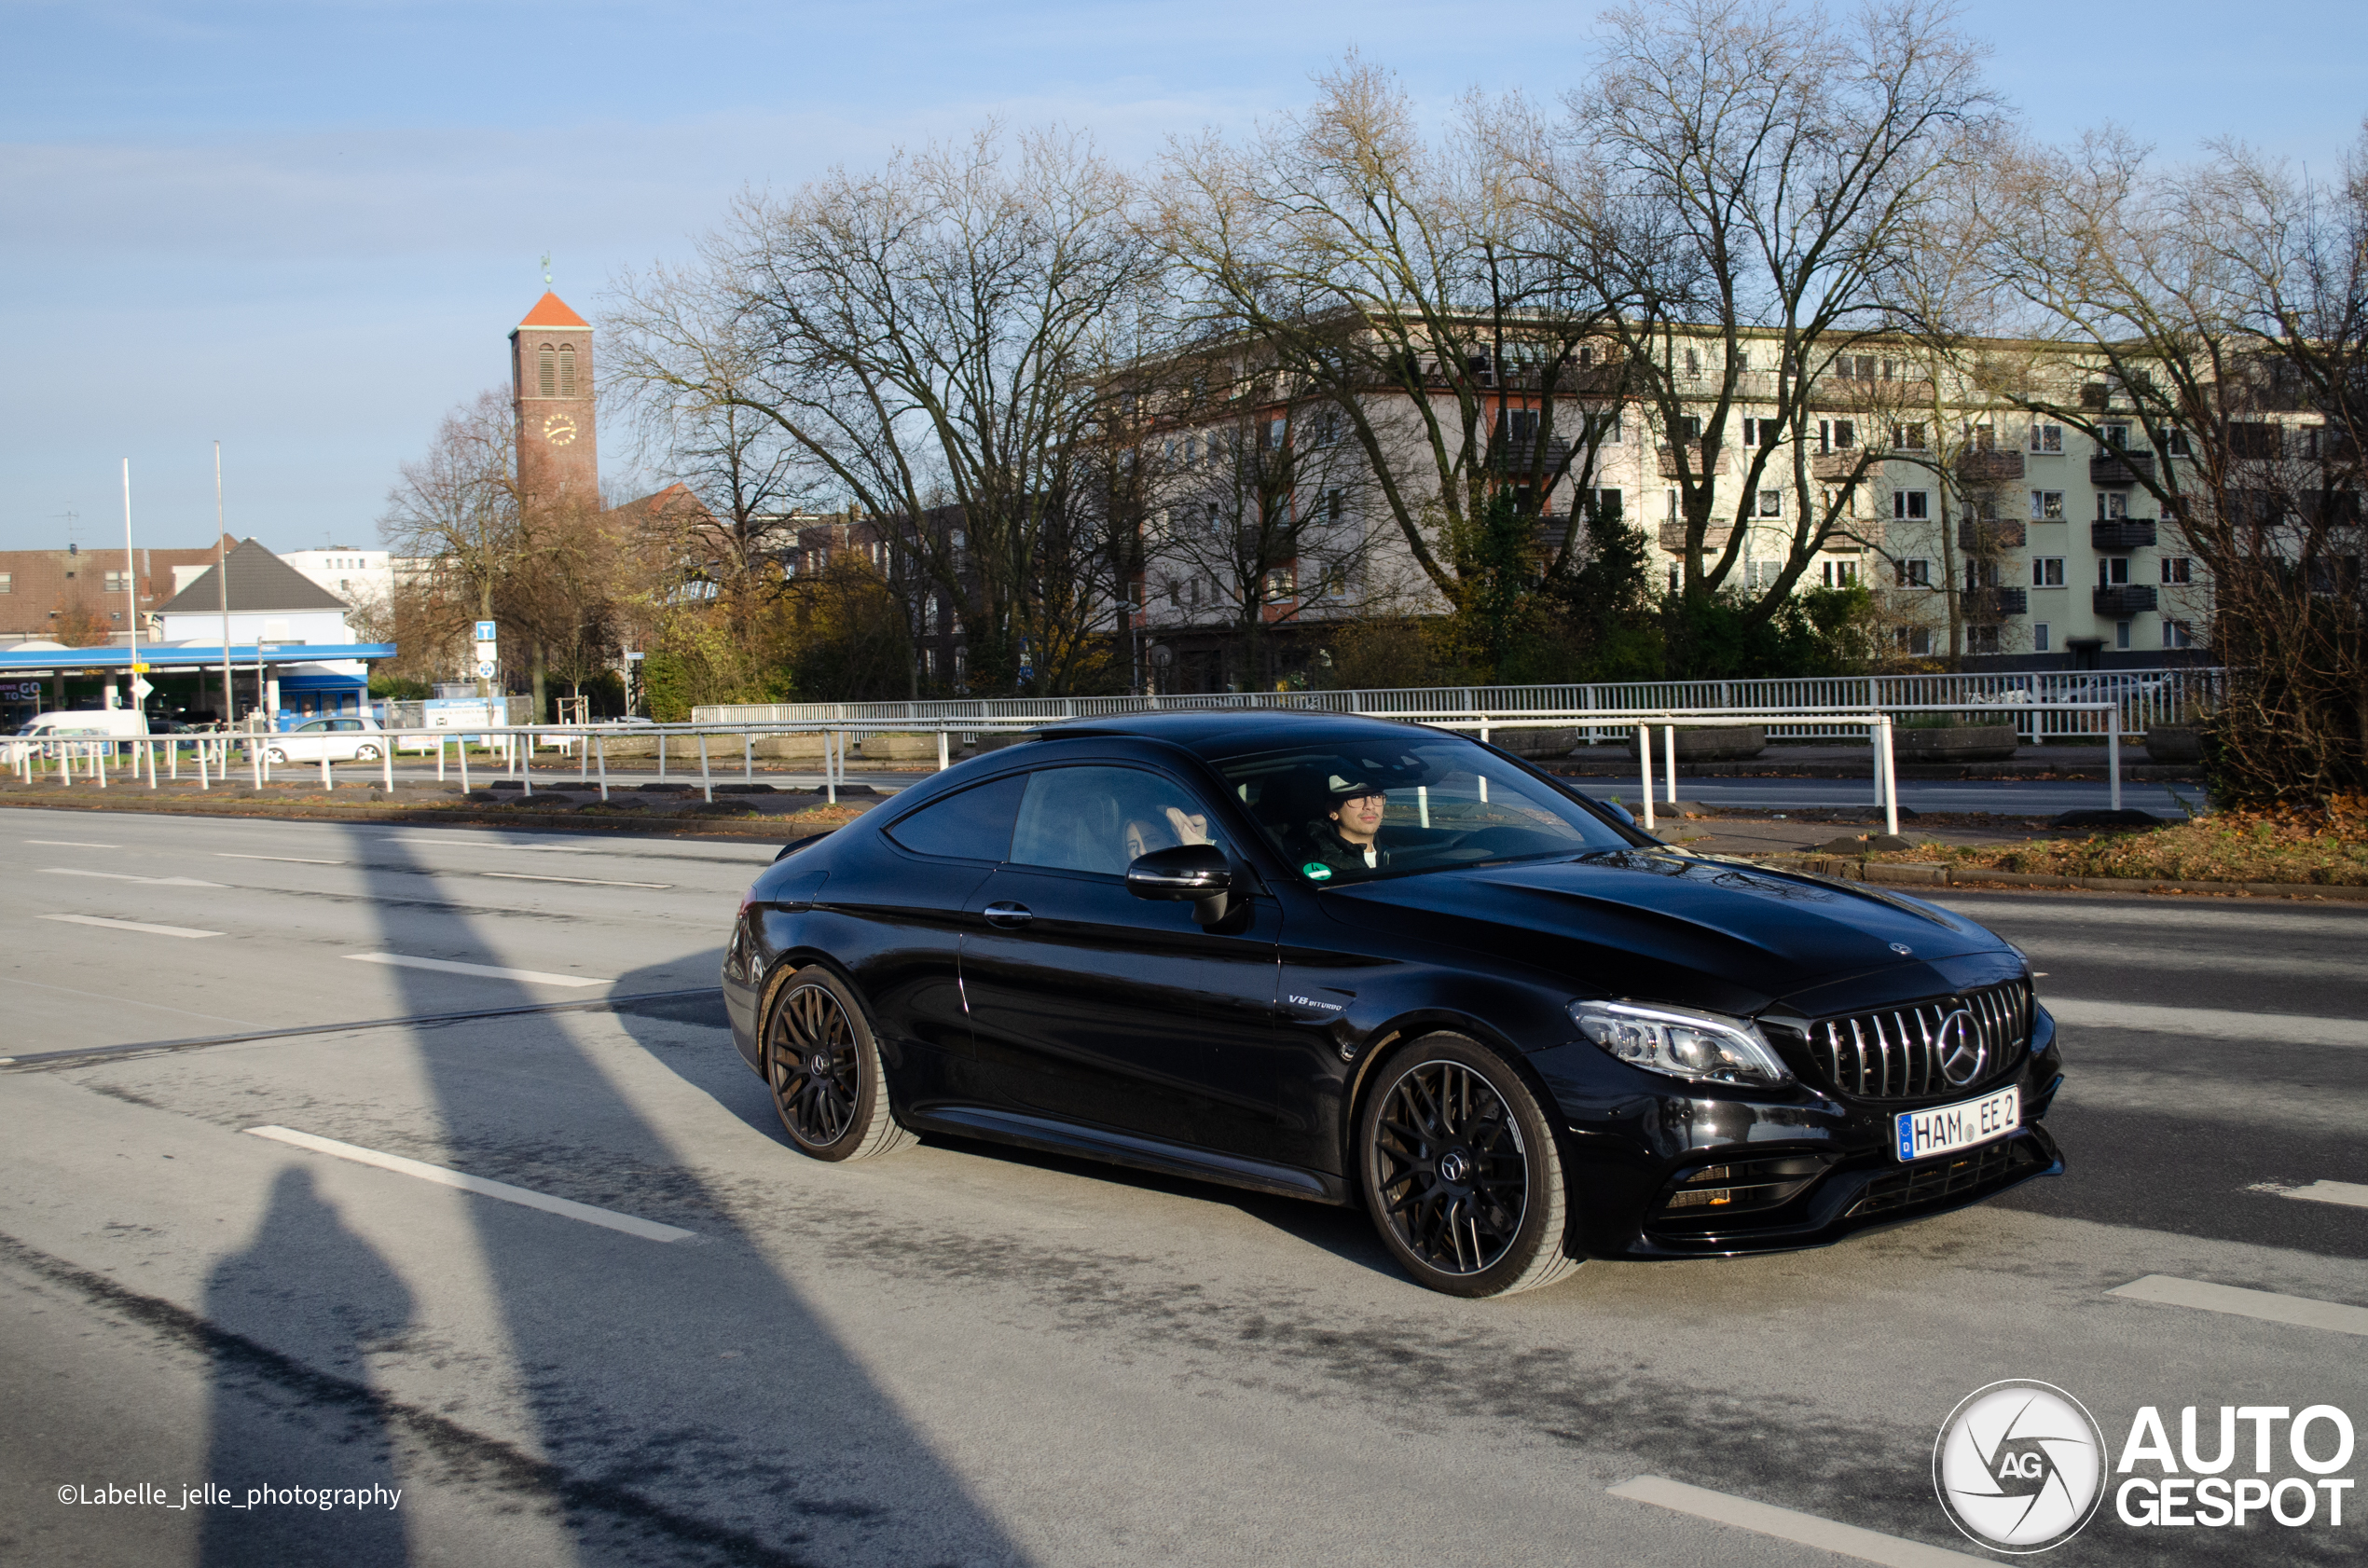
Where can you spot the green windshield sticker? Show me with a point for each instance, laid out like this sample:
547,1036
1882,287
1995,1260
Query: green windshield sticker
1317,871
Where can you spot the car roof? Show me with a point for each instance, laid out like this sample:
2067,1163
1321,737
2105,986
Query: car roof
1228,732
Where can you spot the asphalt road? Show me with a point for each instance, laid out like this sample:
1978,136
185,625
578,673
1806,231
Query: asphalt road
964,1354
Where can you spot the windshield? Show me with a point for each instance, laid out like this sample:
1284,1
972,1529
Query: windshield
1427,802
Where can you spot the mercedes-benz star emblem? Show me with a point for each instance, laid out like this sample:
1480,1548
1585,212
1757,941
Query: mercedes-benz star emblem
1961,1048
822,1066
1452,1165
1902,950
2020,1466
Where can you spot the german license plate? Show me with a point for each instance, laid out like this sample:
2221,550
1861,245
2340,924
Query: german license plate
1966,1124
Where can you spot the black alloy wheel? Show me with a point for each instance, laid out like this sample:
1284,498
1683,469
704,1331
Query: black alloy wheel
1460,1172
824,1069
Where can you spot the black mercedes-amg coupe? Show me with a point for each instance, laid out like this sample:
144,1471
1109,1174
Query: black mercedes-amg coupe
1367,962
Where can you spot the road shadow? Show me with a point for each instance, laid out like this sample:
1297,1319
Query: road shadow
303,1261
691,1405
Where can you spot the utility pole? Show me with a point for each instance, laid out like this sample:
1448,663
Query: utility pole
133,678
221,586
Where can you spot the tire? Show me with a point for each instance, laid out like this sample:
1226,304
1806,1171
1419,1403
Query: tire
1458,1166
824,1071
365,753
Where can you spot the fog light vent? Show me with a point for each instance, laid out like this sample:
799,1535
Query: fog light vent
1744,1184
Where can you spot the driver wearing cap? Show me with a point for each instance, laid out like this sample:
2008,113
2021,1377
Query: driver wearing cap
1345,839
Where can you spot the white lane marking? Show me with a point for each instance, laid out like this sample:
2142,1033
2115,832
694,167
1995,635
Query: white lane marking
2349,1193
291,860
470,841
483,971
73,844
2267,1305
127,876
1785,1524
2237,1027
130,925
632,1225
127,1001
578,881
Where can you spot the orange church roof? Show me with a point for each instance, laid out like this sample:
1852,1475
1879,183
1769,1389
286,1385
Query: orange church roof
551,310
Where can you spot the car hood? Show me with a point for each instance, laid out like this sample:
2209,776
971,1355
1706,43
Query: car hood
1655,923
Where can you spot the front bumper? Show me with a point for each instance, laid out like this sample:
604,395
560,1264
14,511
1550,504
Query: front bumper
1788,1169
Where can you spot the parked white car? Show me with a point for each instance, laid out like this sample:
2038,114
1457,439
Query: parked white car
341,740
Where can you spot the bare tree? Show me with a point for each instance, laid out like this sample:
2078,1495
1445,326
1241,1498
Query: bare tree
459,506
2209,340
931,336
1338,261
1745,175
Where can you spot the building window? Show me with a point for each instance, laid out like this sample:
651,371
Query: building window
115,615
1984,438
8,583
1760,576
547,371
567,370
1908,438
2047,438
1767,503
2113,438
1839,575
1981,640
118,581
1752,431
1689,427
1331,507
1915,572
1837,436
1914,639
2048,571
2113,570
1673,584
1280,582
2111,505
2121,635
1910,505
2046,506
1693,361
1274,431
2177,634
2041,637
2178,569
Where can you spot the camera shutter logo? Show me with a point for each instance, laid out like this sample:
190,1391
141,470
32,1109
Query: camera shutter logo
2020,1466
1961,1049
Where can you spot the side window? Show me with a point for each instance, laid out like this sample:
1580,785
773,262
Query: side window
312,727
972,825
1100,818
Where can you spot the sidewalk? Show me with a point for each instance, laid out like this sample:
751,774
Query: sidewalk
1844,759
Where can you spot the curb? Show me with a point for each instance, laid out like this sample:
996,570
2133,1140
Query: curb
1925,874
769,831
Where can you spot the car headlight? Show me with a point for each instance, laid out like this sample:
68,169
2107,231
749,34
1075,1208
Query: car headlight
1682,1042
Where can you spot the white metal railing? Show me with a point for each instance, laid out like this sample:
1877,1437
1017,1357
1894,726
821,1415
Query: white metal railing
2042,705
511,748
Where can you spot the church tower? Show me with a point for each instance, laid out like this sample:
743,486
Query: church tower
551,372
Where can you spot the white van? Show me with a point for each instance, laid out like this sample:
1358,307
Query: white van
60,725
117,721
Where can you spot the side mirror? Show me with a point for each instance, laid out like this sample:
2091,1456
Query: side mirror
1198,871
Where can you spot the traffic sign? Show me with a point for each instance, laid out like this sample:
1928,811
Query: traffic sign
140,688
485,631
485,669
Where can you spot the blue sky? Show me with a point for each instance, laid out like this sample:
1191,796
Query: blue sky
305,229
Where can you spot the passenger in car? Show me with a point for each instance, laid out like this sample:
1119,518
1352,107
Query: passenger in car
1164,829
1345,839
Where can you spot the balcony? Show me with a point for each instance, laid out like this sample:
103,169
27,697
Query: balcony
1838,464
2118,534
2128,469
1996,604
1990,468
1980,537
1673,537
1694,460
1518,456
2123,598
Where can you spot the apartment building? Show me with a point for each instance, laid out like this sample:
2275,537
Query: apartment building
1938,491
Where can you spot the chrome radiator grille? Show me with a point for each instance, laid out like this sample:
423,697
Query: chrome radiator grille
1905,1052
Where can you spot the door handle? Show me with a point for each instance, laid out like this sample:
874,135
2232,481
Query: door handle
1009,915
